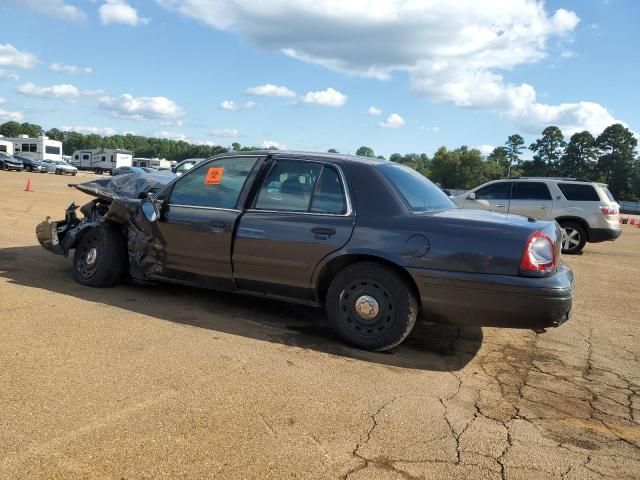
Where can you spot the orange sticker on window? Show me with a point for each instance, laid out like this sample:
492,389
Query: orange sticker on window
214,176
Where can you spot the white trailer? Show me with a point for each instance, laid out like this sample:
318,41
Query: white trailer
6,146
157,163
40,148
101,160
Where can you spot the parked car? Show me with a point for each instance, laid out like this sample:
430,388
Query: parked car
9,162
31,165
586,211
127,170
60,167
372,241
185,165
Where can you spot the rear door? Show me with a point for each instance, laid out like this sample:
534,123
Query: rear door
198,220
493,197
301,213
531,199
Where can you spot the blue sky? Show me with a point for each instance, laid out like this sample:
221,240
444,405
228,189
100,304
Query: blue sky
448,73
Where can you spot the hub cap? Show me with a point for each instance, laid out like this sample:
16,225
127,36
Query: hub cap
570,238
367,307
92,256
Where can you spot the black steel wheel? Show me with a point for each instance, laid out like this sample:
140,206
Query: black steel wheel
100,258
371,306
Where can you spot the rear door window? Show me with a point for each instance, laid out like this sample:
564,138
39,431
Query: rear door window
495,191
216,184
530,191
608,194
289,186
578,192
328,196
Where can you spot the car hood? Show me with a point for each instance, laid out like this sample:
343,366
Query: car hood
130,186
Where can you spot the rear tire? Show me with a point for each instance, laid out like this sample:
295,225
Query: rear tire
574,237
371,307
100,258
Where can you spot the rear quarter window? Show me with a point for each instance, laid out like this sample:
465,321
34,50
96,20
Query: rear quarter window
579,193
418,193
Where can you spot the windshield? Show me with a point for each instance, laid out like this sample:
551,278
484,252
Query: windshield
418,193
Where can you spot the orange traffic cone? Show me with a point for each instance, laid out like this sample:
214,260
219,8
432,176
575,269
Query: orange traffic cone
632,221
28,189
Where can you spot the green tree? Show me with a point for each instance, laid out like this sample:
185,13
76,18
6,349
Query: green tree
617,147
514,146
55,134
365,152
580,156
548,151
332,150
236,146
10,129
30,129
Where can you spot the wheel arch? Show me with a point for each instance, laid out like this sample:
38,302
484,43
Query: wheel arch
581,221
332,267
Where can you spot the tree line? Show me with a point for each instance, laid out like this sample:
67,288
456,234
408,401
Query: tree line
611,157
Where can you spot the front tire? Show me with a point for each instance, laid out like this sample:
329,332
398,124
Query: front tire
100,258
371,307
574,237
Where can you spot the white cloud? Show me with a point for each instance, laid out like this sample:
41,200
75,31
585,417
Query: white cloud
270,90
93,93
10,56
374,111
140,108
454,52
567,54
225,133
329,97
8,74
270,144
6,115
171,135
97,130
70,69
229,105
64,91
119,11
53,8
393,121
485,149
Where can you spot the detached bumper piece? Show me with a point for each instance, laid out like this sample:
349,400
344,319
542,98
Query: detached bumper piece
497,300
52,235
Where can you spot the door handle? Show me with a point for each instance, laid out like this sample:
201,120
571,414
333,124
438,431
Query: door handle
323,231
215,226
499,205
543,207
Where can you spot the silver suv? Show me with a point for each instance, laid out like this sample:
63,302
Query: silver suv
586,211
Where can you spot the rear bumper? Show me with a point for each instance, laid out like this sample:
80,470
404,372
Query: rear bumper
496,300
597,235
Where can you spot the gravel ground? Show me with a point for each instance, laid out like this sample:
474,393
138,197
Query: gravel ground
169,382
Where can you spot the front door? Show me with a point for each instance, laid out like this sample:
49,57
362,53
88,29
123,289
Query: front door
300,215
198,220
494,197
531,199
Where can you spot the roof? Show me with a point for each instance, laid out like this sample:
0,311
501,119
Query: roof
339,157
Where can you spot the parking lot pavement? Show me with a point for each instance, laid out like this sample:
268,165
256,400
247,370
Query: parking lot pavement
165,382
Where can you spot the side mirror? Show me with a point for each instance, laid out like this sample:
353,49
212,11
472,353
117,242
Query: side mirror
472,196
150,210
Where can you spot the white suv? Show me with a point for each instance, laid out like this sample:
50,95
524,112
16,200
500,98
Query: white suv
586,211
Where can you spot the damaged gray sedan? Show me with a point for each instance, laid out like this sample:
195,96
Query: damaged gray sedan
372,241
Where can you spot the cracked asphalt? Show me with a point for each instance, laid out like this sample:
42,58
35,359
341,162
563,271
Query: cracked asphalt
170,382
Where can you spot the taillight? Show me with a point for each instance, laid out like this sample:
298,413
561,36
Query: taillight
539,254
609,210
